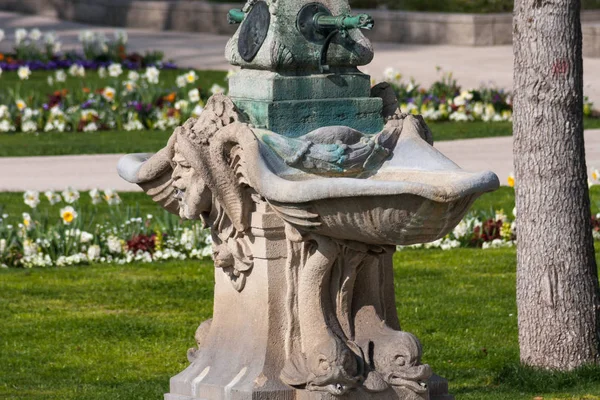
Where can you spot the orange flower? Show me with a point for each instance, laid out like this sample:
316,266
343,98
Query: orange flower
86,90
9,60
1,57
170,98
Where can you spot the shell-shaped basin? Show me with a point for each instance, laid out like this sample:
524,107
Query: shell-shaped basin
416,196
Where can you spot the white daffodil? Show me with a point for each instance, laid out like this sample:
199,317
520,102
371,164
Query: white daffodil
112,197
4,111
53,197
35,34
191,77
115,70
50,80
231,73
129,86
152,75
70,195
20,36
31,198
95,196
194,95
109,94
68,215
21,105
27,221
102,72
216,89
24,72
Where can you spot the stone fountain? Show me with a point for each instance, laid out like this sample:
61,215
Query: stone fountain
308,179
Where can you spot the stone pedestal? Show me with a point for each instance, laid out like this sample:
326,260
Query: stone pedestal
254,332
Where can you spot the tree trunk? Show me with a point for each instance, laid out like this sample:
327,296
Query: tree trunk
557,280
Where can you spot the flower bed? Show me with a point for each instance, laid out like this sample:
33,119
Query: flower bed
445,100
74,235
43,51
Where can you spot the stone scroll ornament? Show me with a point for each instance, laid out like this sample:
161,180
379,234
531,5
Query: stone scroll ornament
340,334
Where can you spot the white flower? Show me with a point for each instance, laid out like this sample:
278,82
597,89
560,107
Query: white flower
197,110
231,73
152,75
30,248
70,195
91,127
60,75
85,237
31,198
133,125
2,245
194,95
24,72
35,34
6,126
112,197
595,174
109,93
133,76
180,81
21,105
115,70
129,86
68,214
1,35
77,70
27,221
114,245
86,36
20,35
93,252
392,74
216,88
50,38
50,80
461,229
95,196
191,77
500,216
3,111
53,198
102,72
56,47
29,126
181,105
460,101
121,35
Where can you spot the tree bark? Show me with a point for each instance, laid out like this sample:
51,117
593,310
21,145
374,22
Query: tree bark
557,280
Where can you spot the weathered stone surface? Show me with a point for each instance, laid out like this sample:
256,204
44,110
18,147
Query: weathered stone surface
307,184
314,286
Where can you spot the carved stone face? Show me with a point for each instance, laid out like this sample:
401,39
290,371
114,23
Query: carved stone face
193,195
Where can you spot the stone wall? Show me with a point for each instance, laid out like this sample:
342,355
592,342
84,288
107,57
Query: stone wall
200,16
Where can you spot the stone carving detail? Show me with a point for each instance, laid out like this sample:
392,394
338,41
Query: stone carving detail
340,336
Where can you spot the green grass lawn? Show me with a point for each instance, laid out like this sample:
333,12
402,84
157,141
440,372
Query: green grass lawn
120,332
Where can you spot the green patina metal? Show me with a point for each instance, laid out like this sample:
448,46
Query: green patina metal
284,89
